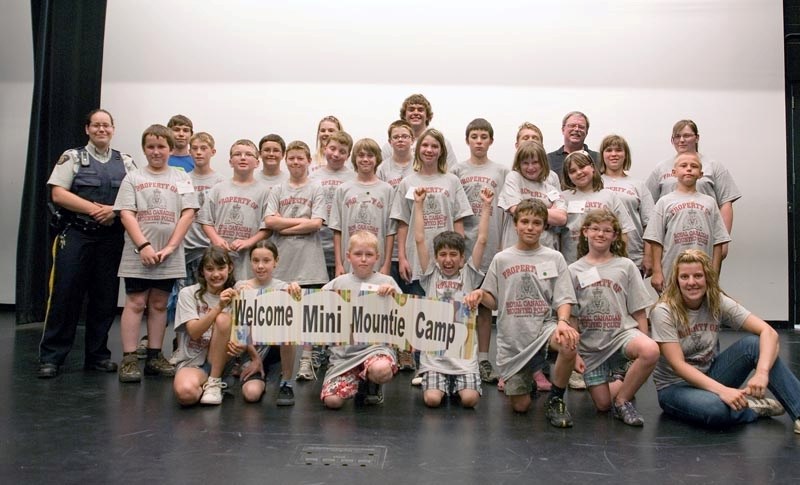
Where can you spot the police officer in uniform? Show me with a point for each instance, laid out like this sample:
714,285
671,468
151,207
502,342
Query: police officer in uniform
87,250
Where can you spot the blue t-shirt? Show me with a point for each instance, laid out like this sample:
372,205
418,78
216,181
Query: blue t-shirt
183,162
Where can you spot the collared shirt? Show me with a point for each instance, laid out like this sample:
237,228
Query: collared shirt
556,159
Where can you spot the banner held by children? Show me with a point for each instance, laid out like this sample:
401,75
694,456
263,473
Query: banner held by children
338,318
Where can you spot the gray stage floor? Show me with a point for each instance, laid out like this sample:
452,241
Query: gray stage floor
86,427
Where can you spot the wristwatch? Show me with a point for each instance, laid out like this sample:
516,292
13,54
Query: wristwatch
142,246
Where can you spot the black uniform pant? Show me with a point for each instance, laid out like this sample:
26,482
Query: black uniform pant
84,265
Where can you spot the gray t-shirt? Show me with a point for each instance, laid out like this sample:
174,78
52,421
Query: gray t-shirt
683,221
716,181
345,357
516,189
454,288
475,178
329,181
637,200
578,203
362,207
236,211
271,180
392,173
157,202
445,203
528,286
196,240
301,256
193,352
700,344
614,291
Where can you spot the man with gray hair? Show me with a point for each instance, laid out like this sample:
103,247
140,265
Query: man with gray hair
575,127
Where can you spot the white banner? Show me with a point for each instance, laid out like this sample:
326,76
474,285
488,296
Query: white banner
337,318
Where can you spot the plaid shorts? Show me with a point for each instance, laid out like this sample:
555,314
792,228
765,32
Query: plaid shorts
602,373
345,385
451,384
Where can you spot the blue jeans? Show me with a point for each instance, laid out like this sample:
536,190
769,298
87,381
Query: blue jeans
730,368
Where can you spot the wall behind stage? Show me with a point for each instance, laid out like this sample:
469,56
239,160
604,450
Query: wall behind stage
16,91
245,68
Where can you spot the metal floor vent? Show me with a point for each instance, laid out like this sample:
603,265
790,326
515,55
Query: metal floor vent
340,456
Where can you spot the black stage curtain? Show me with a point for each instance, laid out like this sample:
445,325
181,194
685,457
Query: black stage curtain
68,62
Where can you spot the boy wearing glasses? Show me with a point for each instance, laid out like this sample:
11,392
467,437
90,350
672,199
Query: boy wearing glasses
575,127
233,212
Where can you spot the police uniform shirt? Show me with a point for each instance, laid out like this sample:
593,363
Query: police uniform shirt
69,164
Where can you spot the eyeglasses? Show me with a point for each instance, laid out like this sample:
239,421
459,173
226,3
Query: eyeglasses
684,136
597,229
243,154
97,126
575,126
401,137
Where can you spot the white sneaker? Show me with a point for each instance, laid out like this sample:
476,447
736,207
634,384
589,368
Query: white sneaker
306,370
417,380
797,426
212,391
765,407
576,381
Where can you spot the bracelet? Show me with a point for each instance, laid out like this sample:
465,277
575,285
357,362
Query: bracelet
142,246
563,320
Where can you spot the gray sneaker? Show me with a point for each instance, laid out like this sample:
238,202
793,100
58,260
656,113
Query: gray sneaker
627,413
765,407
129,369
555,410
159,367
488,375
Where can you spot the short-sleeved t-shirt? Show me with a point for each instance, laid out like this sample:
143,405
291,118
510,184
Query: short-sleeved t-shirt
393,173
157,202
683,221
329,181
271,180
700,343
639,202
716,181
437,284
475,178
196,240
362,207
528,287
181,162
301,256
445,203
236,211
193,352
605,306
69,163
578,203
516,189
346,357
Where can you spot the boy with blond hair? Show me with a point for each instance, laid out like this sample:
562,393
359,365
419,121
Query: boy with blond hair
684,219
295,213
363,204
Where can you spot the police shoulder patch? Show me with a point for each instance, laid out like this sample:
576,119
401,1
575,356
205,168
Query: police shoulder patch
63,159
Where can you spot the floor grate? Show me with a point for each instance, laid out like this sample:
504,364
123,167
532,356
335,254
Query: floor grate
340,456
